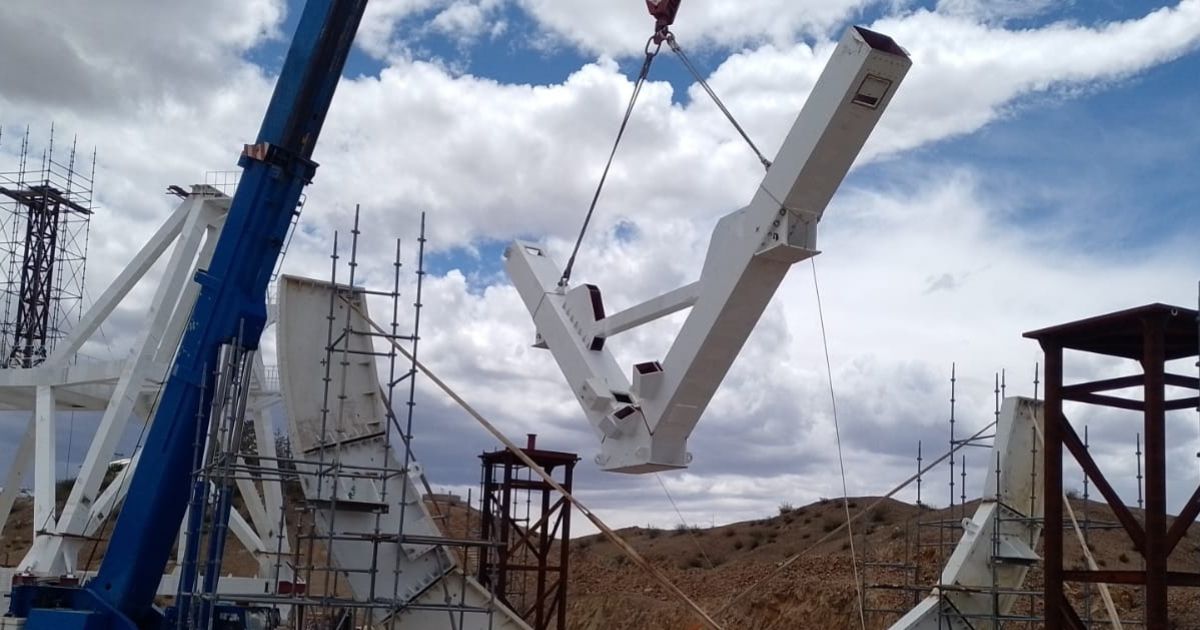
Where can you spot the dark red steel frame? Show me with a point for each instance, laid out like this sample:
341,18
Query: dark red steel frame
1152,335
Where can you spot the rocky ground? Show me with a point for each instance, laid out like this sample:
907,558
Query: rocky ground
711,565
897,546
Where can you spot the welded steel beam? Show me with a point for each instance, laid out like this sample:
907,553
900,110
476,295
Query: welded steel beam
644,420
1155,434
1054,596
1151,335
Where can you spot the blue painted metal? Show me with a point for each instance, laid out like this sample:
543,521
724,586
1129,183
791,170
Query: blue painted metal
231,304
60,607
66,619
183,608
232,617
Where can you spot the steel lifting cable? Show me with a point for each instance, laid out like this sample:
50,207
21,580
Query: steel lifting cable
782,566
837,432
691,534
662,34
687,63
653,46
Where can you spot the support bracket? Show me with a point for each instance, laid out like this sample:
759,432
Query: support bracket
644,425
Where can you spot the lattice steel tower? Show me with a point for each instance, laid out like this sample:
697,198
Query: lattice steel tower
45,216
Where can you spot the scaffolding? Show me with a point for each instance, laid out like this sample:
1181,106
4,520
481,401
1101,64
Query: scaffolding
45,219
894,581
312,587
531,524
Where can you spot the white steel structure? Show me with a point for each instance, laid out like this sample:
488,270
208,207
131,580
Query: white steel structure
376,524
644,424
124,389
996,551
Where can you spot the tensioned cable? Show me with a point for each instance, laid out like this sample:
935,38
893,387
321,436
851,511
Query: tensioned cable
1105,594
1109,606
70,446
657,39
125,472
682,522
837,432
755,587
100,328
517,452
49,520
637,90
687,63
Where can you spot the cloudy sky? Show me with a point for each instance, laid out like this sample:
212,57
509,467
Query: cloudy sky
1037,166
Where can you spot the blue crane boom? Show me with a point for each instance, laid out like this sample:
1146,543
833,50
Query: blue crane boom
230,309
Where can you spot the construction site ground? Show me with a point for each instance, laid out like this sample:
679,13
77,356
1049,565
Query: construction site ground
713,564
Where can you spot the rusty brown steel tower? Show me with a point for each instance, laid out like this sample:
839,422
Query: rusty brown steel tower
530,523
1152,336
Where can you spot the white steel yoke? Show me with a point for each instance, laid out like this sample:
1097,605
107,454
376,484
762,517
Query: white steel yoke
644,421
988,567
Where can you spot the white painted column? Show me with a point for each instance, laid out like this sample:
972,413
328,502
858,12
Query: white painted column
47,554
44,474
276,536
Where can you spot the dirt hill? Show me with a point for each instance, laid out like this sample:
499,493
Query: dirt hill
712,565
898,545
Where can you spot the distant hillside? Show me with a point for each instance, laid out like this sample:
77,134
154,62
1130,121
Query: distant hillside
713,564
607,592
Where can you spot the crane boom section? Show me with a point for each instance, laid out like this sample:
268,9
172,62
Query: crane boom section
230,309
644,420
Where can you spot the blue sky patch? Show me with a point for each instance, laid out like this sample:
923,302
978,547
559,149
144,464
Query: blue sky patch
1039,163
480,264
1087,158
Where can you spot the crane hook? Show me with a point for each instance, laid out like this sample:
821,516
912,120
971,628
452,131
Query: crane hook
663,12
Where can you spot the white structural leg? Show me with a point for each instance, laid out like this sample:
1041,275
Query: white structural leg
123,390
122,285
996,550
273,530
49,553
15,383
381,534
44,474
112,496
644,420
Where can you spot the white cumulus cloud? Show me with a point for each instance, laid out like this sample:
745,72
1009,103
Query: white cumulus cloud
490,160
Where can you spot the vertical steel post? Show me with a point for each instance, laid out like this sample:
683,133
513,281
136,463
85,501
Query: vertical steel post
1154,364
1052,488
485,565
505,531
544,540
1151,335
528,574
564,550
